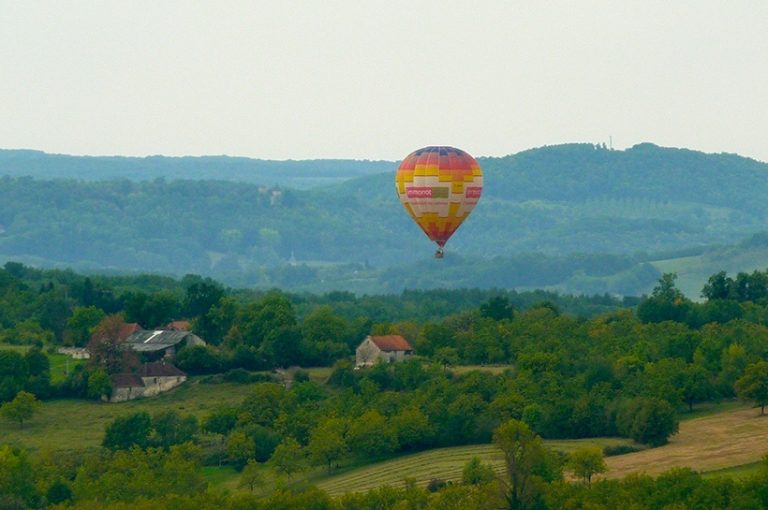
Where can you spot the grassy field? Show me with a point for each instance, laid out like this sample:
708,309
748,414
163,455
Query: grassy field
494,369
441,463
74,424
13,347
693,272
737,471
709,443
61,365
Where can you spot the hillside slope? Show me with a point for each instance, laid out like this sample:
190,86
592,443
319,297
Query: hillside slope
578,218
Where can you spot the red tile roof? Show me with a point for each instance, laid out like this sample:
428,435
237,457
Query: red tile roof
391,343
127,329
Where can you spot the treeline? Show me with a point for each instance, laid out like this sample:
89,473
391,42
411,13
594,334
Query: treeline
298,174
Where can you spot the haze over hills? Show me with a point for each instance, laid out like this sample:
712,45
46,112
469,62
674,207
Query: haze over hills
576,217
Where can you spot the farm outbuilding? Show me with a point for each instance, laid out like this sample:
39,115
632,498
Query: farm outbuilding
151,379
389,348
161,344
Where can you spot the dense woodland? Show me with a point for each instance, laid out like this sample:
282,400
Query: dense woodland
576,367
536,227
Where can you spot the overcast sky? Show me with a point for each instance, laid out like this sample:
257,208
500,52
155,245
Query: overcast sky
375,80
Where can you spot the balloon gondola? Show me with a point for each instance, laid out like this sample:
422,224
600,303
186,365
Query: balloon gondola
439,186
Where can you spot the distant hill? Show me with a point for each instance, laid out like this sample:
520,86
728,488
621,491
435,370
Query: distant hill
293,174
578,218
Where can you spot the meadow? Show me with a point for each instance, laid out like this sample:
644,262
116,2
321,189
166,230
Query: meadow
68,424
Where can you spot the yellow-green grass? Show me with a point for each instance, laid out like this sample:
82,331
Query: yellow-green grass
319,374
711,408
441,463
62,365
743,471
75,424
709,443
225,477
13,347
494,369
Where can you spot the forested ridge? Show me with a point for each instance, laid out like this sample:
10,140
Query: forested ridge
578,217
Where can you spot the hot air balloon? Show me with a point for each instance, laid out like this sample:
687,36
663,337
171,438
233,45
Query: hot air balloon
439,187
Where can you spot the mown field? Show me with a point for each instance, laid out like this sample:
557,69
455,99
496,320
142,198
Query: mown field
441,463
716,442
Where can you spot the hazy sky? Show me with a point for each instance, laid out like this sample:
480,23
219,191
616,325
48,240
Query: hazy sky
375,80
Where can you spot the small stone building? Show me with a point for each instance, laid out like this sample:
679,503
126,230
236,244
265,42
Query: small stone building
151,379
75,352
389,348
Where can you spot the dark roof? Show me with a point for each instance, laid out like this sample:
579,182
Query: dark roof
391,343
156,340
126,381
159,370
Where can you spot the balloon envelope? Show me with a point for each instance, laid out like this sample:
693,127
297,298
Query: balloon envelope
439,187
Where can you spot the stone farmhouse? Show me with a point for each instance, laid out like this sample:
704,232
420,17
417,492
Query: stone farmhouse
388,348
150,380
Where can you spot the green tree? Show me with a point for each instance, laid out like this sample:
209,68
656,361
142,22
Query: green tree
38,373
252,476
697,385
476,473
13,374
327,443
325,336
584,463
497,308
58,492
200,296
170,428
370,435
446,356
528,464
17,478
240,448
221,421
718,286
262,405
81,324
21,408
753,385
413,428
287,457
126,432
99,384
649,420
666,302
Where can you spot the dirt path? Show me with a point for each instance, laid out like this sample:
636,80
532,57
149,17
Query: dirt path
703,444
